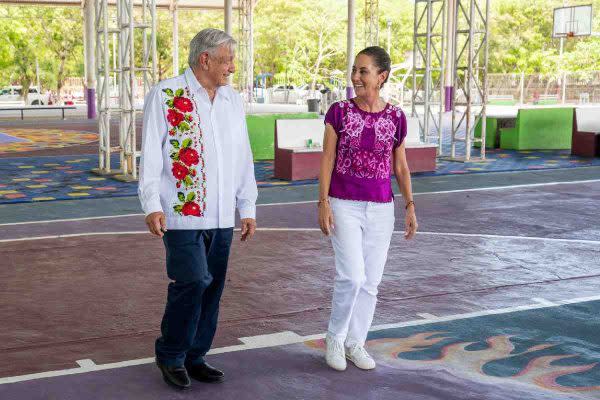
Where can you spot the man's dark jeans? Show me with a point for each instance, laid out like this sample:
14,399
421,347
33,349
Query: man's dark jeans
197,264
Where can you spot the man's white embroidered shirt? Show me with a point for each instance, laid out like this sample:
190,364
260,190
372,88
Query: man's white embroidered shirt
196,163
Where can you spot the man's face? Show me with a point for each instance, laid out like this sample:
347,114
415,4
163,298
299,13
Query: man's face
220,65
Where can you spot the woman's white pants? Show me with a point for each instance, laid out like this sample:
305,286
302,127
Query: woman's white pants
361,239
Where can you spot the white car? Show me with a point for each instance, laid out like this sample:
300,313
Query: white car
284,94
306,93
292,94
14,94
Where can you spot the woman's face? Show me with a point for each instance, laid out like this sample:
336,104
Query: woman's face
365,76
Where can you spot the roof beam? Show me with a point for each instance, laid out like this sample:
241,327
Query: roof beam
166,4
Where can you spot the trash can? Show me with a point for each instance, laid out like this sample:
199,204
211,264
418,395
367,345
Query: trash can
313,105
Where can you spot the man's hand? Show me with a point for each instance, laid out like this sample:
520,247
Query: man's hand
157,223
248,228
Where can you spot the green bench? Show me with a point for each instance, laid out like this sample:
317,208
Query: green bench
261,130
491,133
539,129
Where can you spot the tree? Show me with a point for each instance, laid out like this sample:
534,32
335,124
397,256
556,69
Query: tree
22,63
302,40
61,31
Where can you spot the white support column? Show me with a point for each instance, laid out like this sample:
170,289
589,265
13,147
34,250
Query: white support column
471,32
250,66
89,17
450,43
228,17
85,50
564,88
228,24
126,23
246,50
350,48
103,30
131,72
522,89
428,68
175,12
371,23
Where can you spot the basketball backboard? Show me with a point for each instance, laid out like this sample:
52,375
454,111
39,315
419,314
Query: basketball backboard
572,21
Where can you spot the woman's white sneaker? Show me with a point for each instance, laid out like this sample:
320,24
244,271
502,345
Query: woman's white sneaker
334,355
359,357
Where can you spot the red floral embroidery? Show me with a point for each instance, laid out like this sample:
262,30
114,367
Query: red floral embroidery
191,208
189,156
187,153
180,171
174,117
183,104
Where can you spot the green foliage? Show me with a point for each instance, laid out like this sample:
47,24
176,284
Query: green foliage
52,35
521,39
299,41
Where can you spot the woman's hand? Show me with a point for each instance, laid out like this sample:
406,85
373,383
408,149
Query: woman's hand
410,223
325,217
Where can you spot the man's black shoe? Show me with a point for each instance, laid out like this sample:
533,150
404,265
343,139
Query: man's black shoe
205,373
175,376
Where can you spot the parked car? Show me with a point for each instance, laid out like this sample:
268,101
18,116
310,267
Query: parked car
293,94
14,94
284,94
306,93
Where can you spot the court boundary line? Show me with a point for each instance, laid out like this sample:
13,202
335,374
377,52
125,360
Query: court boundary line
526,185
289,337
274,229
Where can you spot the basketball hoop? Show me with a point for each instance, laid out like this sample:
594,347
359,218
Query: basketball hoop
572,21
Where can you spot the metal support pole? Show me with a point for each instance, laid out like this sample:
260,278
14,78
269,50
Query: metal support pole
471,31
450,44
350,48
522,88
564,87
428,71
228,24
389,37
250,65
175,12
127,78
228,17
90,62
246,48
130,73
371,23
103,68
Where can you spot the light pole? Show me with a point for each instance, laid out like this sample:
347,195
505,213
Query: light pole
389,36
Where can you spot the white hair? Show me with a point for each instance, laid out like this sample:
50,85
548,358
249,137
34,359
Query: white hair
208,40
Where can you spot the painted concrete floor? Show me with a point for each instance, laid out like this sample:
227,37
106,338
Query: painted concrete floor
93,290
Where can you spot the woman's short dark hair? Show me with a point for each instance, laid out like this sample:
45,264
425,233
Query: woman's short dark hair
380,58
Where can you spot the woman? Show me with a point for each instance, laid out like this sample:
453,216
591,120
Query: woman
363,136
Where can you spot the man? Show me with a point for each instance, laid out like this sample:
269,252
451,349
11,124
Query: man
196,167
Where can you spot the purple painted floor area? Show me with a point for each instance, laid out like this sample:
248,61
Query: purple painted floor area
4,138
279,373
